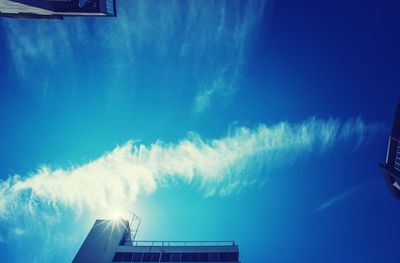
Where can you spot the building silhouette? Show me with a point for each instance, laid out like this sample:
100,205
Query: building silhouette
112,241
391,167
56,9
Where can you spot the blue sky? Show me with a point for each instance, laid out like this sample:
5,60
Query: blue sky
261,122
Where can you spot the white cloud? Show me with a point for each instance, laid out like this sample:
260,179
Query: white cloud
219,166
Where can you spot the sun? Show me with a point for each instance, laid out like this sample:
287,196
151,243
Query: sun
115,215
115,219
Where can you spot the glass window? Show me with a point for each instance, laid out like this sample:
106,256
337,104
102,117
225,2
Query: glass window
137,257
223,257
146,257
118,257
397,160
127,257
227,257
214,257
155,257
165,257
186,257
203,257
194,257
234,256
175,257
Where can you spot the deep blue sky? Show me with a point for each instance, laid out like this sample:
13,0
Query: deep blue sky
72,90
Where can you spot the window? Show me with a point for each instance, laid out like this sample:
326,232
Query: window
397,159
214,257
137,257
151,257
165,257
146,257
194,257
185,257
203,257
118,257
122,257
127,257
175,257
226,257
155,257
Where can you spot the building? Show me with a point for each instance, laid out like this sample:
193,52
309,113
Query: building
112,241
391,168
56,9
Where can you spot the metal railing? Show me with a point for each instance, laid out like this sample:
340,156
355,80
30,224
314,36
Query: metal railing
178,243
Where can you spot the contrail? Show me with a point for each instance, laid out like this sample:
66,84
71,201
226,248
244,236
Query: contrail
340,197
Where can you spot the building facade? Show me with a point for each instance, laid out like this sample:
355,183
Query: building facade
56,9
110,241
391,167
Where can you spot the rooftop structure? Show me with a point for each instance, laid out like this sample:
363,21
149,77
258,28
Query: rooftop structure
391,167
112,241
56,9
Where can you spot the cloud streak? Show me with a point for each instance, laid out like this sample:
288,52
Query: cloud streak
238,38
340,197
217,167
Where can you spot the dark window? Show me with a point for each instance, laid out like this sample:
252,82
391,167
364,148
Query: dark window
118,257
155,257
194,257
214,257
185,257
146,257
234,256
223,257
127,257
165,257
226,257
122,257
175,257
203,257
137,257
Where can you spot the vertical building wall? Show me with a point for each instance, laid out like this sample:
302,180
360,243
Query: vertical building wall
102,241
391,168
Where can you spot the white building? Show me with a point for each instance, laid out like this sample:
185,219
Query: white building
110,241
56,9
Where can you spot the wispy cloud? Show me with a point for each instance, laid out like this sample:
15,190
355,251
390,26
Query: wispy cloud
37,44
219,166
19,231
237,36
340,197
203,98
207,41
